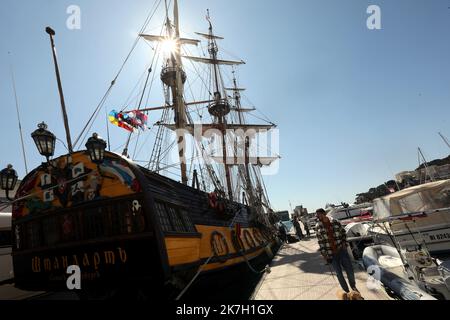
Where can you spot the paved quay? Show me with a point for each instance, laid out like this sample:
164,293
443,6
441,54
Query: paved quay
298,272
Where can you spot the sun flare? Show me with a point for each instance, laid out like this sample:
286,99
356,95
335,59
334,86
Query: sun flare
168,46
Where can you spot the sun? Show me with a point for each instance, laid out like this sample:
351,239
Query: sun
168,46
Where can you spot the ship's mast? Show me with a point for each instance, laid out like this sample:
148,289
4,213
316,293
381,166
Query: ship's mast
220,107
246,142
174,77
177,94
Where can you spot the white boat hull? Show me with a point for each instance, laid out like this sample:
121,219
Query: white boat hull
435,237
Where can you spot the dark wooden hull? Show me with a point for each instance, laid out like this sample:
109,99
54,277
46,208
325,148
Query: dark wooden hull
157,236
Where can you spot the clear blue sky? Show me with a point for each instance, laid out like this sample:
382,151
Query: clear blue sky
352,104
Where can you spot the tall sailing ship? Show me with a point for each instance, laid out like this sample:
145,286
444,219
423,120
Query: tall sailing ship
128,225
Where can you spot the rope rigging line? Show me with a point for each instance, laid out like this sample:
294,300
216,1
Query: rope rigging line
178,163
103,100
92,117
125,150
148,96
166,151
131,97
197,72
143,144
123,144
155,157
157,56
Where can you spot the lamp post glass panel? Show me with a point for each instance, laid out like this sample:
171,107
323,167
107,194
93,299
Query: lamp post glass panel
96,147
44,140
8,179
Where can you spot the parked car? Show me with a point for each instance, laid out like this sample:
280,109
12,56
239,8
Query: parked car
310,220
290,231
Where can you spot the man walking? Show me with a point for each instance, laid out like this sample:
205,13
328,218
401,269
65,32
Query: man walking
282,232
304,220
298,228
333,247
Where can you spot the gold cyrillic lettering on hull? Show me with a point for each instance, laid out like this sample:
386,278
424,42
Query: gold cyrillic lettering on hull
55,263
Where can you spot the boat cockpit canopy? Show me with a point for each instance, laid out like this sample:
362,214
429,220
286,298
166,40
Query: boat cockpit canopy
425,197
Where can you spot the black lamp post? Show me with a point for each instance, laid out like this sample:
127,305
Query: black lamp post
8,180
44,140
96,147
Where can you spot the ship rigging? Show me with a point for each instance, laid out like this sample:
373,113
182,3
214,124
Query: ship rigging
230,169
130,227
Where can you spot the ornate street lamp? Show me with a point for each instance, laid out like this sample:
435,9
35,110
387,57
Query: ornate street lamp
96,147
8,180
44,140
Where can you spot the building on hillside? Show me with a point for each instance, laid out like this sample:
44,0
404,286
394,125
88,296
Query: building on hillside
423,175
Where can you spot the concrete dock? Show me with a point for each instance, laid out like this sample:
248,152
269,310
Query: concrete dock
298,272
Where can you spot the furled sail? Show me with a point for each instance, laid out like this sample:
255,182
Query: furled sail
154,38
235,89
212,61
205,127
260,161
209,36
243,109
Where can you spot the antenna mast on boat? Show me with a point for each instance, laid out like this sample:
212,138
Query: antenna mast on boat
444,139
425,163
18,119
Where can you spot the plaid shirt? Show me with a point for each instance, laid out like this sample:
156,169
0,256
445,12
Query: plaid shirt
322,236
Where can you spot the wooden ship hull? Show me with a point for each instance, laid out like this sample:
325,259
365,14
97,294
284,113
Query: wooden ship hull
125,227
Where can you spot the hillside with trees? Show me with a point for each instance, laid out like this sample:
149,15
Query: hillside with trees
380,191
436,162
391,186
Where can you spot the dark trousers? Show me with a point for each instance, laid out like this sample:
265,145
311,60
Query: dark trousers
341,260
299,233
